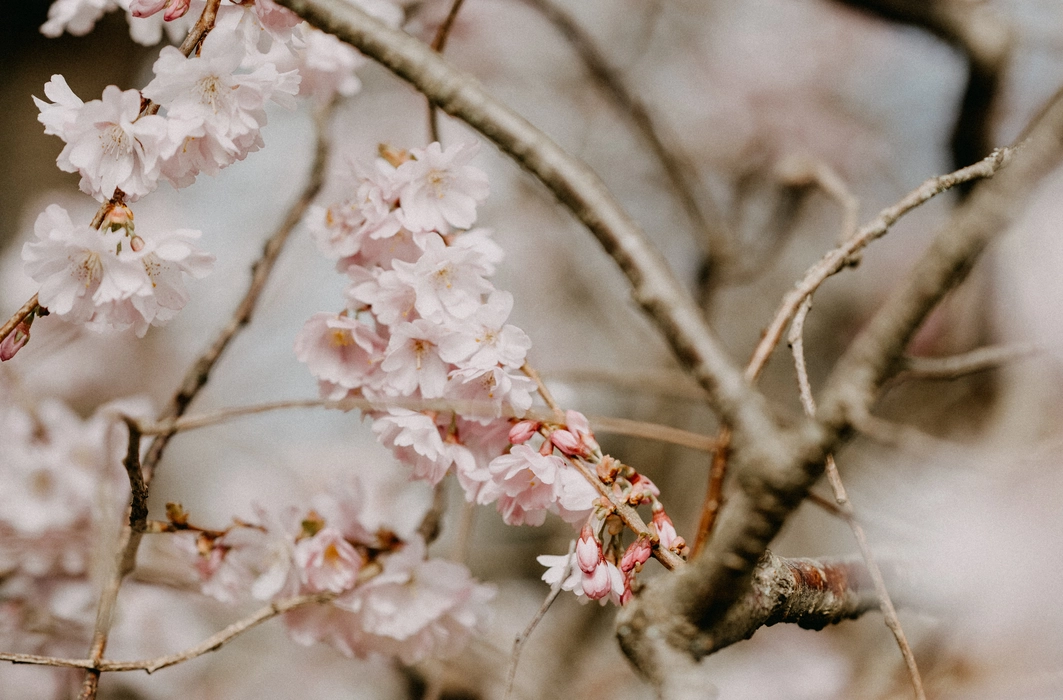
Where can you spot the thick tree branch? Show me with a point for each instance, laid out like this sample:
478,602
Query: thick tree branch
809,593
689,608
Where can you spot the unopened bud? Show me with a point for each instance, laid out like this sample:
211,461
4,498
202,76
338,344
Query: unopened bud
597,585
567,442
136,243
14,341
607,469
522,431
176,10
588,551
637,554
118,216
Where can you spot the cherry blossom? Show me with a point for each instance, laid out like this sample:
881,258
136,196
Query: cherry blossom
487,340
340,350
446,280
326,64
522,482
108,142
327,561
417,608
71,263
206,91
75,16
100,277
440,190
412,360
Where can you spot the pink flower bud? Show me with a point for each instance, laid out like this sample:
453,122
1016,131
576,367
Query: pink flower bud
597,585
14,341
665,530
567,442
588,551
177,9
636,555
607,469
118,216
146,8
642,489
578,423
136,243
521,432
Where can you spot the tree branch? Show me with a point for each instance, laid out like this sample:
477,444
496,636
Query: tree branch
955,366
212,643
811,594
876,352
885,603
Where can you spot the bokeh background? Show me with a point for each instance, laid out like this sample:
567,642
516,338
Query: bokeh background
742,91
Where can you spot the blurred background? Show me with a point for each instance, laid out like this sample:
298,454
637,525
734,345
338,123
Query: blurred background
746,99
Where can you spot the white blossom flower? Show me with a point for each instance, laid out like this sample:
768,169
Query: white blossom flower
75,16
417,608
108,143
96,276
487,340
327,562
58,115
340,350
446,280
207,90
412,360
439,190
326,64
73,263
523,484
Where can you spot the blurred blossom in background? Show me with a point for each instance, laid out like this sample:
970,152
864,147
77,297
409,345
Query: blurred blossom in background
740,89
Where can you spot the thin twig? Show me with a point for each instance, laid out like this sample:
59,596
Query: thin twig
955,366
543,391
223,637
522,637
836,260
710,507
795,170
195,379
432,521
28,308
714,240
138,506
210,644
667,383
603,424
797,346
439,44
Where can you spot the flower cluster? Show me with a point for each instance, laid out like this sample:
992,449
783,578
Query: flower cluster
422,319
198,114
112,277
61,477
390,600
